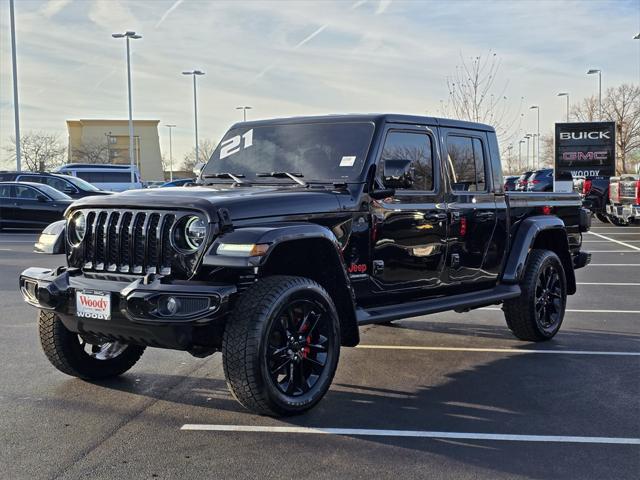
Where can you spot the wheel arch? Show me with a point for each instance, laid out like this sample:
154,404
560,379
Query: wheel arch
539,232
319,259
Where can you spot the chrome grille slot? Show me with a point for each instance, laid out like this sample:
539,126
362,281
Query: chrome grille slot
152,243
138,242
165,242
99,234
112,228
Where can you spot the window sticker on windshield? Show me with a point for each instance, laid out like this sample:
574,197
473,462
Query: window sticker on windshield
232,145
347,161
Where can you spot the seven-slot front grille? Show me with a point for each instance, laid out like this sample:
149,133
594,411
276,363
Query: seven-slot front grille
129,241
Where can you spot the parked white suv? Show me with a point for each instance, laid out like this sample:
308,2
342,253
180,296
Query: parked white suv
115,178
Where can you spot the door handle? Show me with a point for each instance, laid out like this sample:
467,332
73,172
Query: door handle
484,215
435,217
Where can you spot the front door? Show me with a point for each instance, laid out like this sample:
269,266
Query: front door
471,206
409,229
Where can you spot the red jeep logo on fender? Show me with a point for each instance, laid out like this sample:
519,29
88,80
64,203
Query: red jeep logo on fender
357,268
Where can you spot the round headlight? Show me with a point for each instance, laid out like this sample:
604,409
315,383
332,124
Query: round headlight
189,233
77,228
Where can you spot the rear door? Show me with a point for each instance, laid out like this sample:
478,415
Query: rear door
471,205
7,207
409,229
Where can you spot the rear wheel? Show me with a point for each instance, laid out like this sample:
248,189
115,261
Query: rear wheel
602,217
619,222
73,355
537,314
281,345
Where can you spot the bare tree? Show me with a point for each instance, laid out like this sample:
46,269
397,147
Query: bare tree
39,151
205,150
622,105
474,95
547,150
587,110
91,152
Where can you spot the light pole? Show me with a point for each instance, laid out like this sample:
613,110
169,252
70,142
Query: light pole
170,153
536,107
599,72
129,35
528,137
244,112
565,94
520,154
194,74
16,108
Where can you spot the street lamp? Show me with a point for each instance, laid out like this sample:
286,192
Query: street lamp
528,137
14,61
536,107
637,37
244,112
194,74
520,153
129,35
565,94
170,153
599,72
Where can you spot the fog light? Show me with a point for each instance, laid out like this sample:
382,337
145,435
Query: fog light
173,304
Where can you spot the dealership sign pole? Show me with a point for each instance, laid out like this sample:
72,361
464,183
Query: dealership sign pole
585,149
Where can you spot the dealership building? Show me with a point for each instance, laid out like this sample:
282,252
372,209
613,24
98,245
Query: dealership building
107,141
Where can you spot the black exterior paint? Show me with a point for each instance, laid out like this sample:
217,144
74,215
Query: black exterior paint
410,253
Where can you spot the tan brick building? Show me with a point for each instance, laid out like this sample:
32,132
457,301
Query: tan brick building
107,141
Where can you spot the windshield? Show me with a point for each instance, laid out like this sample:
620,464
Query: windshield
53,193
81,184
318,151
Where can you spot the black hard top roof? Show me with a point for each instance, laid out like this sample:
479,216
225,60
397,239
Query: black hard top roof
376,118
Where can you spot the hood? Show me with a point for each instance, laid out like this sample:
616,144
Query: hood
242,202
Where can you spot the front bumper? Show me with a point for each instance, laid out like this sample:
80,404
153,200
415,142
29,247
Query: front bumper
582,259
136,313
625,212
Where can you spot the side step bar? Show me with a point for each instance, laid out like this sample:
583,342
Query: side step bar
461,301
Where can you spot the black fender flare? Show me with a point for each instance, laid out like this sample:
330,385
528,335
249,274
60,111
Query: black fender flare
277,237
525,239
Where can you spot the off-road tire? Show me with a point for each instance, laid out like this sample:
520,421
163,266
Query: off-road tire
245,344
63,349
602,217
618,222
520,312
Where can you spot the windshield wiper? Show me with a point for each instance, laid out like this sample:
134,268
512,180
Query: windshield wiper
292,176
236,177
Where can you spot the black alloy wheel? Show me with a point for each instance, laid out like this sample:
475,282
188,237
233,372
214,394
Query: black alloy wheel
299,345
549,298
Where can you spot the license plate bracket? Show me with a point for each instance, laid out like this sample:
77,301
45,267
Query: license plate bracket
93,304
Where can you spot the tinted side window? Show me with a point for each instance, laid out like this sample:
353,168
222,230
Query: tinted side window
5,191
416,149
57,183
105,177
26,193
466,163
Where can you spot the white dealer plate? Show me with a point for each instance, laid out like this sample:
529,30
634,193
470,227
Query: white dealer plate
92,304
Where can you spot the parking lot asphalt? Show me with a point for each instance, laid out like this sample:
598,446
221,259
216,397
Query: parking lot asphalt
444,396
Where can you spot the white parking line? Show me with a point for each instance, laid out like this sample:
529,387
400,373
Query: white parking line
614,265
613,251
366,432
611,284
607,241
579,311
16,241
498,350
616,241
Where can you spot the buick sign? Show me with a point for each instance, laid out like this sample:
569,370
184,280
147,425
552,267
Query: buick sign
585,149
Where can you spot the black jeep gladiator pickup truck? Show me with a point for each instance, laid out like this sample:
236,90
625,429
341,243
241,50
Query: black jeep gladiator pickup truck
298,231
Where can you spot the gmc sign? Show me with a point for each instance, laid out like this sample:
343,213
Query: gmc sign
585,149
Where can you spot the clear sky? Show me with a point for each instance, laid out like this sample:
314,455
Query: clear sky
287,58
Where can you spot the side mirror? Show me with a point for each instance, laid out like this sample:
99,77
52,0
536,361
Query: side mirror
42,198
397,174
382,194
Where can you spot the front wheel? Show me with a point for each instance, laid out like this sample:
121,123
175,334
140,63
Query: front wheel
73,355
537,314
281,346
